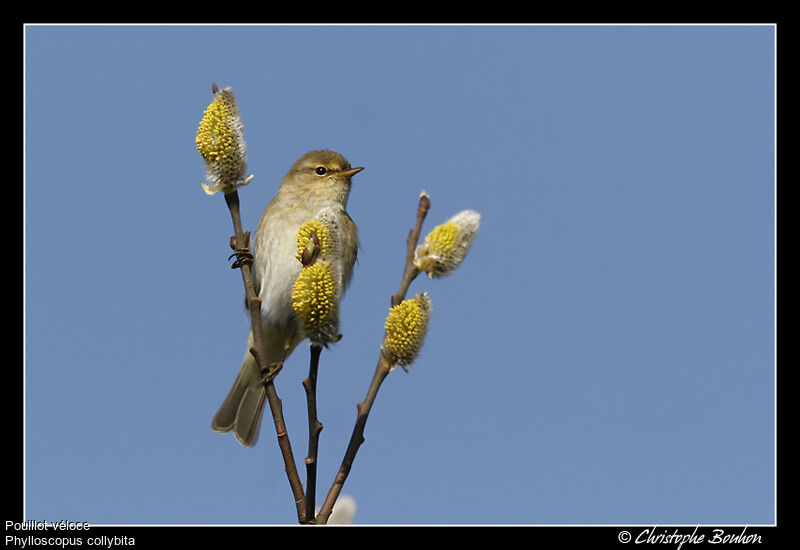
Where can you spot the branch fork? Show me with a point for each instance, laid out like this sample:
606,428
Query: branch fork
382,370
305,500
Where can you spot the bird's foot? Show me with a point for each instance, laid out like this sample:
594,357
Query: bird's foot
243,256
242,253
269,372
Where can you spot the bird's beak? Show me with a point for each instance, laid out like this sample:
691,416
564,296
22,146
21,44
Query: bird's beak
351,172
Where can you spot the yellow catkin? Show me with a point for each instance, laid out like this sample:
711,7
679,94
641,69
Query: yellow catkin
304,239
442,239
220,141
406,326
314,295
447,245
215,136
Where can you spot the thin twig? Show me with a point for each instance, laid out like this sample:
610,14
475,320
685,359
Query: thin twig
314,428
410,271
382,369
244,259
356,439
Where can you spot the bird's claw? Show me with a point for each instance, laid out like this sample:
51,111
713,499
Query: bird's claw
243,256
269,372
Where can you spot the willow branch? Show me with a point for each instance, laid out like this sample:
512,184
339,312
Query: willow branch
314,428
243,261
410,271
356,439
382,369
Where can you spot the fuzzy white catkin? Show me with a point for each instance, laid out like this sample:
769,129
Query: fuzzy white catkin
343,511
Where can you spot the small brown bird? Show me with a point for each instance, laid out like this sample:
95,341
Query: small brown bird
318,181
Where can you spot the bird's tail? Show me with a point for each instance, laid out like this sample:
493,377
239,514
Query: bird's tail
243,407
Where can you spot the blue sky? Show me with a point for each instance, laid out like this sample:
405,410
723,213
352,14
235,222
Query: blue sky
605,355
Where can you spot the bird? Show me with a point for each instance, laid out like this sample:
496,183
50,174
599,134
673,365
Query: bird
318,181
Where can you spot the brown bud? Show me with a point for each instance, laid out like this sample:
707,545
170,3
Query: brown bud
234,244
424,203
310,254
305,257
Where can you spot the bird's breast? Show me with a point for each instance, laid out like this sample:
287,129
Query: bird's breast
276,258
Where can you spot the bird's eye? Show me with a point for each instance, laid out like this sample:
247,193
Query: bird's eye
320,170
